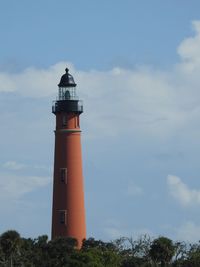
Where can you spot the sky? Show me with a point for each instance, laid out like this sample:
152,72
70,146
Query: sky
137,65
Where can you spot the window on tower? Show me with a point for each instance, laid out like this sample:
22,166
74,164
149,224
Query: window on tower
77,122
64,120
63,175
62,216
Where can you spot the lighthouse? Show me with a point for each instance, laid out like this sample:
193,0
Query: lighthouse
68,211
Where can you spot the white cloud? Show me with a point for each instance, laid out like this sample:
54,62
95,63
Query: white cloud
138,101
15,186
114,232
134,190
115,229
189,48
141,100
33,82
16,166
13,165
182,193
188,231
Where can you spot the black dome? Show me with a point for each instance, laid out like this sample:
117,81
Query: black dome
67,80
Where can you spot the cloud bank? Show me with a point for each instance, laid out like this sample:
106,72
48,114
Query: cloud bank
15,186
140,100
188,231
13,165
182,193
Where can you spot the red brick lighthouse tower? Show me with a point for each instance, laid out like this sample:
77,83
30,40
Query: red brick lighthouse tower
68,218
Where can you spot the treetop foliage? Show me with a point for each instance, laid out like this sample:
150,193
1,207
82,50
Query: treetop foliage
16,251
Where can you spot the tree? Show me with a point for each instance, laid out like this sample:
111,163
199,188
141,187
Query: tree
134,252
10,245
192,257
60,250
27,254
162,250
105,253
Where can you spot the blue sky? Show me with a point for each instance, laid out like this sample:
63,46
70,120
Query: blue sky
137,66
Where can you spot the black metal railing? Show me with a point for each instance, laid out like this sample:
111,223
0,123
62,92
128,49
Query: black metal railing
67,106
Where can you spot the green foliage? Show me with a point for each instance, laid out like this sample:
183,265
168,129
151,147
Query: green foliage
59,251
162,250
124,252
10,243
192,258
106,254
